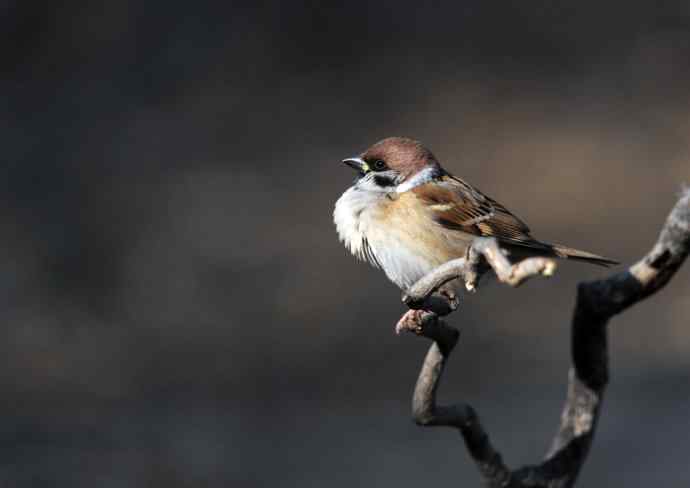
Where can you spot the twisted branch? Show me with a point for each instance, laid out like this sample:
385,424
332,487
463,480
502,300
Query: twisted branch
597,302
484,254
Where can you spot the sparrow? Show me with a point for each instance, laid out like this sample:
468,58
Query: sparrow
407,215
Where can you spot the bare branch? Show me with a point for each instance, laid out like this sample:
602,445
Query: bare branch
461,416
484,254
597,301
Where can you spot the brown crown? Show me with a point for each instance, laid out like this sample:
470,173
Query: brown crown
404,155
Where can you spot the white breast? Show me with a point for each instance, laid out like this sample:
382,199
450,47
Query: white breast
353,217
371,236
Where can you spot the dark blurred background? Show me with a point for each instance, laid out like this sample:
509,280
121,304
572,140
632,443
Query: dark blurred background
178,310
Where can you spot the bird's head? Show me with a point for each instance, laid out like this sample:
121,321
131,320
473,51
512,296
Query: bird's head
395,164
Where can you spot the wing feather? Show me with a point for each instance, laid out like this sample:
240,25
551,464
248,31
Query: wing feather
456,205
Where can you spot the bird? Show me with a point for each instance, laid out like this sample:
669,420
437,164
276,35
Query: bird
407,215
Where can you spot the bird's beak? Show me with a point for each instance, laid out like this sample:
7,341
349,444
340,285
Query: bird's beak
358,164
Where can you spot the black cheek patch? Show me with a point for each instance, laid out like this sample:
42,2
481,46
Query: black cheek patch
383,181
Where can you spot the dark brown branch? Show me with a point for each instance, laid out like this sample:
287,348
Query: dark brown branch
462,416
597,301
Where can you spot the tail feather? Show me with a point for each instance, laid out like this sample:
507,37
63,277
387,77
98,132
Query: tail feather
577,255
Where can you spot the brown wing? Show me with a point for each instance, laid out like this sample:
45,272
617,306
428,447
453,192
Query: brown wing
458,206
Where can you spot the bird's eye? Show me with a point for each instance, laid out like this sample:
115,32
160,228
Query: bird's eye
379,165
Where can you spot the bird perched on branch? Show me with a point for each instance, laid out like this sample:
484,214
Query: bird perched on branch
407,215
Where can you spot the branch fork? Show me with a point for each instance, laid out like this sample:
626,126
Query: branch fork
597,302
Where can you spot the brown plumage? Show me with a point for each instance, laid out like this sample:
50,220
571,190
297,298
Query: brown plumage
456,205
